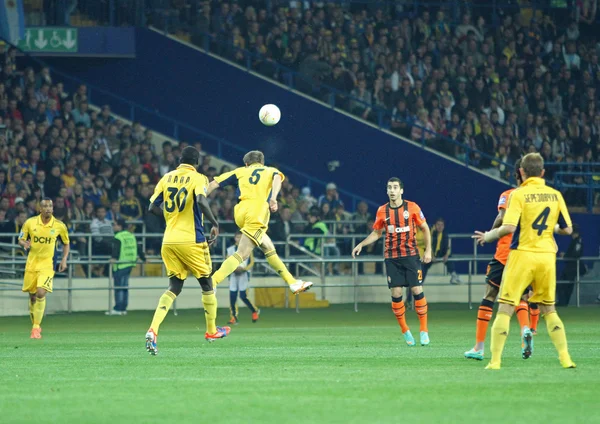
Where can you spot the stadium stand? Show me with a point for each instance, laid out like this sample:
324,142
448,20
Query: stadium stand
479,84
438,76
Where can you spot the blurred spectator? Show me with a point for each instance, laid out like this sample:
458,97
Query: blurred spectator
130,206
331,197
441,250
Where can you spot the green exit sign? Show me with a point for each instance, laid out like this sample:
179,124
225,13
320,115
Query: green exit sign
50,40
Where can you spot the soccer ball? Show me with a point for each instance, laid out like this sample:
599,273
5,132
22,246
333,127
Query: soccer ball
269,115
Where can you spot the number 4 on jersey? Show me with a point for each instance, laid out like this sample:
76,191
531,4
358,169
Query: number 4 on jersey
540,222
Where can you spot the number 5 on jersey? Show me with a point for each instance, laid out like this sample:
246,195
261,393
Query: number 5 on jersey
255,177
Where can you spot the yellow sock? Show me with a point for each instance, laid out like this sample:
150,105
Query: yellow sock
276,263
499,335
556,330
31,305
38,312
227,267
210,311
164,304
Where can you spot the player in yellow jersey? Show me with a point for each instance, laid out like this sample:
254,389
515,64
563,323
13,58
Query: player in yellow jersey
38,236
180,196
534,212
258,186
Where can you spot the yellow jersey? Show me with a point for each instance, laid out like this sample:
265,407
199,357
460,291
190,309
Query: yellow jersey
178,190
42,253
534,208
254,182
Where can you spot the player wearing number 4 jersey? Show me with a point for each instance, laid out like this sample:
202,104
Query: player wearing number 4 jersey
493,279
38,237
258,187
399,219
534,212
181,196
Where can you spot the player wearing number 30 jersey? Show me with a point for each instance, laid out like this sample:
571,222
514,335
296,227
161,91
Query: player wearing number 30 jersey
180,196
258,187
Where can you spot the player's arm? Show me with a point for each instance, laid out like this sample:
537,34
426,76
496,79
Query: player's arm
427,239
24,241
509,222
205,209
275,189
64,237
157,200
228,178
499,218
214,184
370,239
564,227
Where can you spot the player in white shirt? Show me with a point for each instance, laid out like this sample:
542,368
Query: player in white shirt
238,282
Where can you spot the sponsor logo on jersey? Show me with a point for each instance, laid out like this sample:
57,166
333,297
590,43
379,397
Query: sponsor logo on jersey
394,229
42,240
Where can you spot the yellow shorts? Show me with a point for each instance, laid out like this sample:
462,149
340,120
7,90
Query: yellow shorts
36,279
529,268
252,218
179,258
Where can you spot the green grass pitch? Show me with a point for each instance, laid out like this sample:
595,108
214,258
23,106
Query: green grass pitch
320,366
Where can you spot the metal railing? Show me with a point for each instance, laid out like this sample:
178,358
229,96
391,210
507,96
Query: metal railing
354,276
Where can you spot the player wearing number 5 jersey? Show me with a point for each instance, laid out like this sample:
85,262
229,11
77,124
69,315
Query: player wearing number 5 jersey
258,187
38,237
535,211
180,196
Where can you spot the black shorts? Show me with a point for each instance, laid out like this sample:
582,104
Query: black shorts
494,273
495,270
404,272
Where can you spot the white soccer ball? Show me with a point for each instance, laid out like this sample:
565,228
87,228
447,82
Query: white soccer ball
269,115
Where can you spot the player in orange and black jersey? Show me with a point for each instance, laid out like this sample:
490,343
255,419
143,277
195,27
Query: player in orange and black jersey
493,278
399,219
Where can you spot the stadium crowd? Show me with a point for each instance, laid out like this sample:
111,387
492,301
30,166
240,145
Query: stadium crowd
98,169
447,76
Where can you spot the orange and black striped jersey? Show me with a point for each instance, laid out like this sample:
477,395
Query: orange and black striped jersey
400,225
503,245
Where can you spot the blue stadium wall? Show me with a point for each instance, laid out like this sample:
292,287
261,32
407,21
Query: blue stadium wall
223,100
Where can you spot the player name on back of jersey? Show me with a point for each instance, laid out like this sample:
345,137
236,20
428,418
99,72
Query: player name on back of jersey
540,197
178,179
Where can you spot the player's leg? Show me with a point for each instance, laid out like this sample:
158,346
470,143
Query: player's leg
414,279
177,274
268,248
197,259
38,312
396,281
230,264
31,305
30,287
44,286
534,317
522,311
209,301
243,286
484,315
518,274
544,290
233,293
249,304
